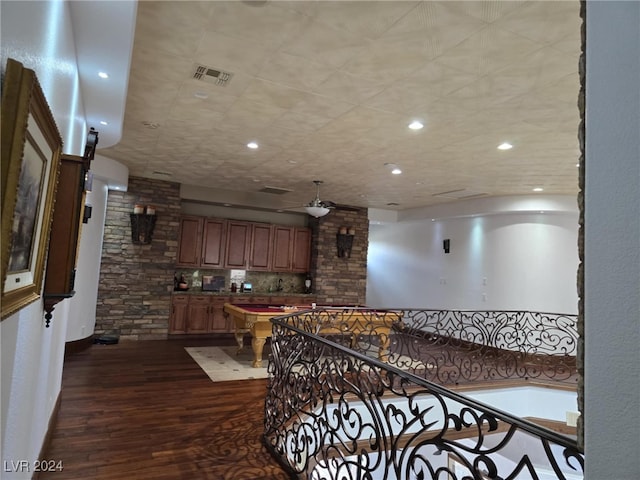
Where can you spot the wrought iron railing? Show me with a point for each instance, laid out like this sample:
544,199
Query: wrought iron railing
456,346
342,403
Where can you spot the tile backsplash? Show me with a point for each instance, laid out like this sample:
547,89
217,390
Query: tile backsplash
262,282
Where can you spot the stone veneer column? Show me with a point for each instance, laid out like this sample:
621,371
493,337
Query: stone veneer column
340,280
134,294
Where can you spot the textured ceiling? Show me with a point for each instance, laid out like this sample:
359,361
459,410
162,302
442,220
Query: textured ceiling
327,90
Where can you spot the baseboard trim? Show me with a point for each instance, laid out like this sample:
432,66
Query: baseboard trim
77,346
53,420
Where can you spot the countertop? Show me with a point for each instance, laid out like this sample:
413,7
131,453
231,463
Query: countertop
198,291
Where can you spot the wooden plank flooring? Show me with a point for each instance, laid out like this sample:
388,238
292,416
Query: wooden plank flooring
145,410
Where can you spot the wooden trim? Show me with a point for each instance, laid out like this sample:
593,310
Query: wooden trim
77,346
555,425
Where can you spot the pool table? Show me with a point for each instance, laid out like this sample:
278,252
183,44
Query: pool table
255,319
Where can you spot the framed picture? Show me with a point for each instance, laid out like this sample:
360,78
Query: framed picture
31,148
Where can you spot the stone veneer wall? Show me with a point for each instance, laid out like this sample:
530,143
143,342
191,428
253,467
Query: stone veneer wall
340,280
134,295
136,281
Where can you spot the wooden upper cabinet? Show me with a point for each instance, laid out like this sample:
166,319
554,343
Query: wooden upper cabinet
237,244
301,250
213,243
282,248
189,242
260,246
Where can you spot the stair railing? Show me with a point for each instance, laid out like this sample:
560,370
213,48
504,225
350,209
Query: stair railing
338,407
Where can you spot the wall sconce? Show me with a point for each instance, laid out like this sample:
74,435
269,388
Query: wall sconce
142,224
86,214
344,241
90,146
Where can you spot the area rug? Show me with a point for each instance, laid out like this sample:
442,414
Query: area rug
222,364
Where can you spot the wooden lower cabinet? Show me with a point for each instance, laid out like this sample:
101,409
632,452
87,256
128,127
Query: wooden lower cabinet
198,314
217,320
179,314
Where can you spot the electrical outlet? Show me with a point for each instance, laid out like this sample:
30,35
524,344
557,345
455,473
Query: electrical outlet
572,419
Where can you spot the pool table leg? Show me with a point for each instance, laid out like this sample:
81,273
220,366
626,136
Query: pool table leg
257,343
384,347
239,334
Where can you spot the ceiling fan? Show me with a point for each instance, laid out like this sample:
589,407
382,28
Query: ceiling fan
316,207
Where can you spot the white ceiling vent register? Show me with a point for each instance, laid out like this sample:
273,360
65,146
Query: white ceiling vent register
211,75
274,190
459,194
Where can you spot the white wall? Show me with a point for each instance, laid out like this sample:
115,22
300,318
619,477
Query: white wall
40,36
81,308
612,242
501,257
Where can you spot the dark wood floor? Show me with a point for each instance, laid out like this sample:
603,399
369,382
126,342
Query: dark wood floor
146,410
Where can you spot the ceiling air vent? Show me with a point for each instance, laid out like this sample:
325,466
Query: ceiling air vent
274,190
211,75
460,194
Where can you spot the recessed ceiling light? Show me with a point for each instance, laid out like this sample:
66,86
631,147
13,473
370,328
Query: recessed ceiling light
505,146
103,75
102,122
538,189
252,145
416,125
201,95
292,162
226,204
395,169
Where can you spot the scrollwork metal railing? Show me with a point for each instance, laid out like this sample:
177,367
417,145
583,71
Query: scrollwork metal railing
339,405
456,346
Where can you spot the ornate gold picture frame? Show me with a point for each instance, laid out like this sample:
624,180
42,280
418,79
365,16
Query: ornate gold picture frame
31,148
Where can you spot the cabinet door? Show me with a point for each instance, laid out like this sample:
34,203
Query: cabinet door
189,242
237,245
65,229
217,320
282,248
178,320
198,314
213,243
301,250
260,247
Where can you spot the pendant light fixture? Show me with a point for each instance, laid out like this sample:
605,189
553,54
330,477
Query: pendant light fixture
317,208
